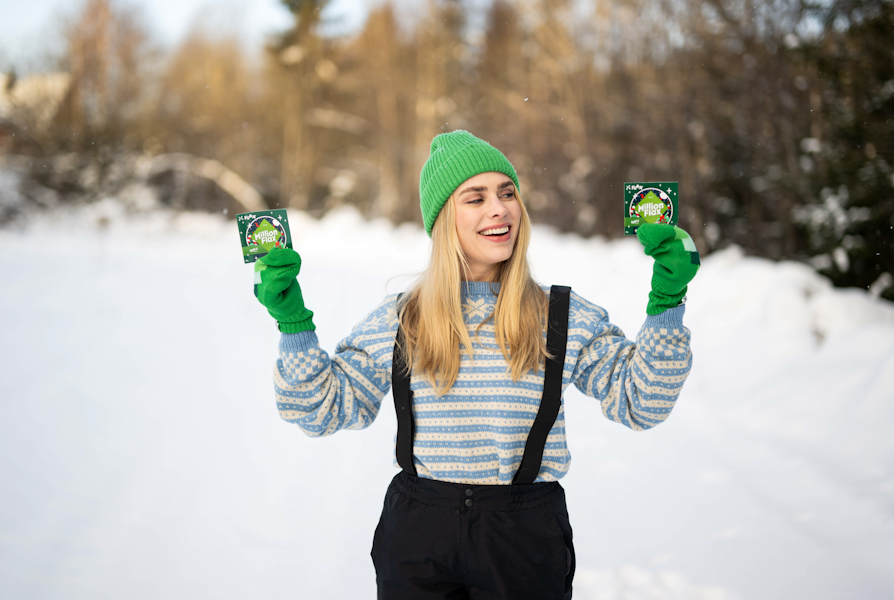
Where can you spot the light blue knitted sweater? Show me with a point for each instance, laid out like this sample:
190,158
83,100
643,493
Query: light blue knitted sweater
476,432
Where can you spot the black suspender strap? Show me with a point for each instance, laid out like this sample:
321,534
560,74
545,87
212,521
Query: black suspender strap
551,401
403,405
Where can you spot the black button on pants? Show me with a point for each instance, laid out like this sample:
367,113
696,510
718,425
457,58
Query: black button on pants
499,542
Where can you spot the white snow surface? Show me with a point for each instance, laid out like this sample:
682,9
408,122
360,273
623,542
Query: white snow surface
143,457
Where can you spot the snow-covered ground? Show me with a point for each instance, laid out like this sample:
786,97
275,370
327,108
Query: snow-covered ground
141,455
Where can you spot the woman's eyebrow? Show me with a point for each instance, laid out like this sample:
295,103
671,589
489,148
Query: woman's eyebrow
481,188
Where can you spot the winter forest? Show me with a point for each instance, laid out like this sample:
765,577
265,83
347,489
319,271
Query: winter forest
774,115
141,453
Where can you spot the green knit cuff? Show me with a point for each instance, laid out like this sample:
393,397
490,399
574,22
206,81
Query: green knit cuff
298,326
658,302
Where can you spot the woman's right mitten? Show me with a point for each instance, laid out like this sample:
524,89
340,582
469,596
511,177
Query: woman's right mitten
276,287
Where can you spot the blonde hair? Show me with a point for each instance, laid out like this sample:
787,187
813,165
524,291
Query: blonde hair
431,312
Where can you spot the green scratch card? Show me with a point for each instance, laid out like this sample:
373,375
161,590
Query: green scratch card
649,202
262,231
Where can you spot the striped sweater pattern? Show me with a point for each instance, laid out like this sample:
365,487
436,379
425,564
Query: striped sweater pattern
476,432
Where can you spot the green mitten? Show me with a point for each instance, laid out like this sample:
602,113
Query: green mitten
676,262
278,290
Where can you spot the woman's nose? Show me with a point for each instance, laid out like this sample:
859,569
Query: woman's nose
495,208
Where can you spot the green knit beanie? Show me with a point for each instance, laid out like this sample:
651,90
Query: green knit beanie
455,157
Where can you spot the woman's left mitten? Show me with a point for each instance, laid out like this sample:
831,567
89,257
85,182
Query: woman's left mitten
676,263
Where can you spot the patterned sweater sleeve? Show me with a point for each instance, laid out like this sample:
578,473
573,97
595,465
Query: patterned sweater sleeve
637,383
323,395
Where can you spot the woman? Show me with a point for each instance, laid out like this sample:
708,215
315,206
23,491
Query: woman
477,510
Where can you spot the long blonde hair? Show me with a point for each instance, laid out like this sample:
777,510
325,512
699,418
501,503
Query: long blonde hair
431,312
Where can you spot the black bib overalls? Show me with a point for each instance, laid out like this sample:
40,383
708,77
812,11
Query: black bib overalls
478,542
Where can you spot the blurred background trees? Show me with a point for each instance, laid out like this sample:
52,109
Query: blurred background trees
774,115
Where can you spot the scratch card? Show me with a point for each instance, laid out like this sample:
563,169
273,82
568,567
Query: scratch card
649,202
262,231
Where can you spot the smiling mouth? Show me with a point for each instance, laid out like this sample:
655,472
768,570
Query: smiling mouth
496,231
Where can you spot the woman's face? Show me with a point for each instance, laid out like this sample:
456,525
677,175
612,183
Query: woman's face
487,218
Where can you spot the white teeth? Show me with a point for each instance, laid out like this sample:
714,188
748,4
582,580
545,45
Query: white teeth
499,231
